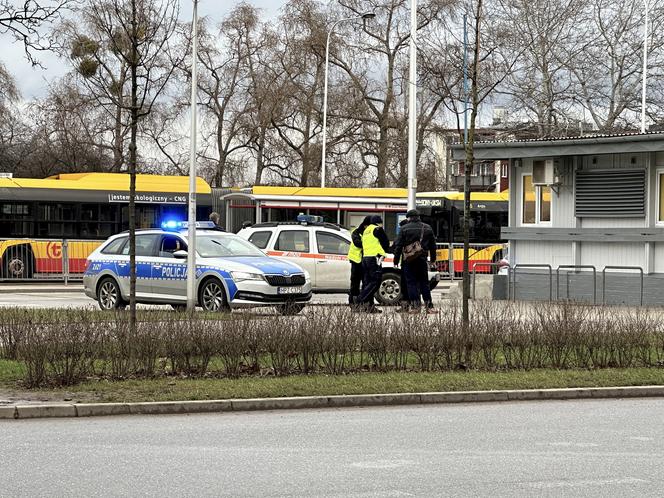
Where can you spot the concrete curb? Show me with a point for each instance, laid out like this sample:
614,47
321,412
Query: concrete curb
340,401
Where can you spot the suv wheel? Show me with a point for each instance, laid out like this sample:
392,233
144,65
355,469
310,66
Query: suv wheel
389,292
212,296
109,296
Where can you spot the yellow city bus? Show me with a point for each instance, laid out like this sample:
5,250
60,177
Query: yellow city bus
49,226
488,213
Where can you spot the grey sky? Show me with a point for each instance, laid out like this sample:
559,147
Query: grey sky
33,82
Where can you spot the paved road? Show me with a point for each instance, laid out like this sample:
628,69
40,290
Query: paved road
54,299
581,448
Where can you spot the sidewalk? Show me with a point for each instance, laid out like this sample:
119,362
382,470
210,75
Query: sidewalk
39,287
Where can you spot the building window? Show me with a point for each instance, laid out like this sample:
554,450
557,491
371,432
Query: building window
536,202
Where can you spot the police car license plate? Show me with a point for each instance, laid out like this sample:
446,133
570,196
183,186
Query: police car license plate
289,290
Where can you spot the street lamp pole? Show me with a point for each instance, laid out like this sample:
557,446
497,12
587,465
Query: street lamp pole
412,108
645,69
191,239
323,166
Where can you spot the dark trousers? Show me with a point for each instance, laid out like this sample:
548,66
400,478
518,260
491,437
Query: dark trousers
417,280
373,275
356,274
404,289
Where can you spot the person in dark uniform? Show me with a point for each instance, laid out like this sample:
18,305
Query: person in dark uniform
416,270
404,301
355,259
375,246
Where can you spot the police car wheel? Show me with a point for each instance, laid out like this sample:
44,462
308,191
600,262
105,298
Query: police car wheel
389,292
288,309
109,296
212,296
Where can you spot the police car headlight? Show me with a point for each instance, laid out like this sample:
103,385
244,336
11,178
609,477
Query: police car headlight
240,276
307,277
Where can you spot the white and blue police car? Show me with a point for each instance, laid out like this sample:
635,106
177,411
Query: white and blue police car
230,271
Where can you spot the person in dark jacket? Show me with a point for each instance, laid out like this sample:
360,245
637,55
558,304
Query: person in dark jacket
355,259
375,245
404,301
416,270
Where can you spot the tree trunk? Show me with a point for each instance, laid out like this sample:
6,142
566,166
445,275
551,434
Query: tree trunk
470,158
260,164
118,156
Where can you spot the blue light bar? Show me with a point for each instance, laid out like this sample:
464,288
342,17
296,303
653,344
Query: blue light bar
173,225
309,218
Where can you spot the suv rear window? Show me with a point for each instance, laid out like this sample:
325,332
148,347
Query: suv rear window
115,246
260,239
293,240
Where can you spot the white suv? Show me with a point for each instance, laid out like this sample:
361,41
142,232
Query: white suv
322,249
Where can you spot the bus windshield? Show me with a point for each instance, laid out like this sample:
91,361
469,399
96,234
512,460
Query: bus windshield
446,217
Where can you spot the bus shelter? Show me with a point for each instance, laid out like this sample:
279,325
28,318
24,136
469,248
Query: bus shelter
343,206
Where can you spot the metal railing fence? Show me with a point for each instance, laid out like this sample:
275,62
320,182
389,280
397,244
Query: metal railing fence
44,259
449,258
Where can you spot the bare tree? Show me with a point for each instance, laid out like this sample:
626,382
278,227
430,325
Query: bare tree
540,87
23,20
607,73
138,35
223,86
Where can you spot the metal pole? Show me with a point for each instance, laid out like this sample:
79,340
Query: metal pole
323,168
645,70
412,108
191,240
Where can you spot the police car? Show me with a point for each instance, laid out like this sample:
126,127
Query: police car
322,250
230,272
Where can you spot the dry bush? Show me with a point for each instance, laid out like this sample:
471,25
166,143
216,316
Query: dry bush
65,346
307,334
33,352
337,333
561,324
14,324
280,343
72,350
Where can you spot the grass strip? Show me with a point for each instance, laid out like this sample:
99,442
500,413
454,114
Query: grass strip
174,389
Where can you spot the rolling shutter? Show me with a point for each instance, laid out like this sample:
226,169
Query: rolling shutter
610,193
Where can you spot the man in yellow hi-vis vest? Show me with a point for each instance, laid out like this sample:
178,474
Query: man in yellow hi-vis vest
375,245
355,258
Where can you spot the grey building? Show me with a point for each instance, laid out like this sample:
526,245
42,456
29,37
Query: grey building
584,203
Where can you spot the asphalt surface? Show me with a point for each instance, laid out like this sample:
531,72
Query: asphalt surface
570,448
58,298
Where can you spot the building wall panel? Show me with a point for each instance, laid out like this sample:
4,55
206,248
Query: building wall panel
532,252
601,254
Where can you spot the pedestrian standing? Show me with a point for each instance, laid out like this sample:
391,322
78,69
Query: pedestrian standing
216,219
404,304
375,246
355,259
416,240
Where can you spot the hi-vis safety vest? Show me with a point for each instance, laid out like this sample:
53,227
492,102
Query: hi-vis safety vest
354,253
370,243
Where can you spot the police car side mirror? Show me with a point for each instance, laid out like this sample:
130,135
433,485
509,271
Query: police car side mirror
181,254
